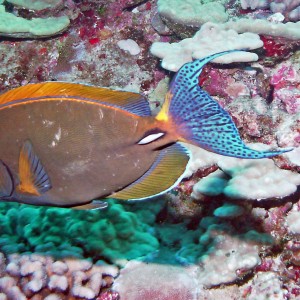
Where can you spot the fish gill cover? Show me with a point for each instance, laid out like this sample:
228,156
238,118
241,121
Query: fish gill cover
204,241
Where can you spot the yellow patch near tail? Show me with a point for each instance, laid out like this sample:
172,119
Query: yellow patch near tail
163,115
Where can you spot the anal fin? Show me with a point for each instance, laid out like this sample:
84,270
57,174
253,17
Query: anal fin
94,205
34,179
165,173
6,183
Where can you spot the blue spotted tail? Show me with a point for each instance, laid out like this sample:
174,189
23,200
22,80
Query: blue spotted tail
200,120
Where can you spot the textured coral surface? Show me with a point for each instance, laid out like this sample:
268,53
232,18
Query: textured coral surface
198,241
41,277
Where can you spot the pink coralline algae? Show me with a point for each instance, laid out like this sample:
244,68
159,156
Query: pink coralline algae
286,84
284,73
228,84
291,99
278,47
273,220
109,295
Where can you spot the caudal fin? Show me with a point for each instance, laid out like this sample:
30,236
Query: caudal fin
200,120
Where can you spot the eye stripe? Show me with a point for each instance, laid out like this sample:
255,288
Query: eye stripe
150,138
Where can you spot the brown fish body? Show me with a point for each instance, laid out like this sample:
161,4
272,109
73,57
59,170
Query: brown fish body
89,150
65,144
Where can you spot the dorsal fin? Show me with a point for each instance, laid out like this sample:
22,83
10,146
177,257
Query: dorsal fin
165,173
132,102
33,178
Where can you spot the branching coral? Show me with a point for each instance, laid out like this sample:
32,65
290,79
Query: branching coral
27,276
289,8
185,16
211,38
253,4
287,30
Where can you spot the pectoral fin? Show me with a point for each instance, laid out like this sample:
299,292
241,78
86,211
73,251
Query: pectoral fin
34,180
6,183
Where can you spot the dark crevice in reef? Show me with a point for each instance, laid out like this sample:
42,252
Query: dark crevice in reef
270,95
276,202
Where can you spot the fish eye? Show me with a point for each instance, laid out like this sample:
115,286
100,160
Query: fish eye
151,138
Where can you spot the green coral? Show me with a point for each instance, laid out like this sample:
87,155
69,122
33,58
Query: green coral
108,234
125,230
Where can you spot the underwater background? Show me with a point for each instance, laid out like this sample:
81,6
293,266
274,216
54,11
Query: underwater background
231,228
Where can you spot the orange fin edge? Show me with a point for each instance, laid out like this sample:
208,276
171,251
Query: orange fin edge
66,89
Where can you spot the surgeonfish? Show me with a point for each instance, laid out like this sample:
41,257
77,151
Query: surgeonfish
65,144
